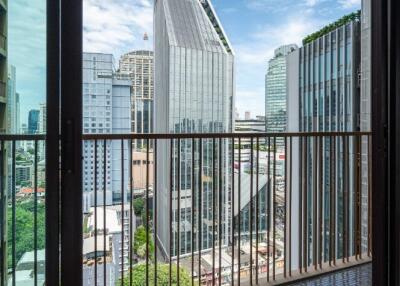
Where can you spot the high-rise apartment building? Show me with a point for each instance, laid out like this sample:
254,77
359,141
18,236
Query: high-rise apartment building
33,121
324,95
13,111
275,90
138,66
194,93
106,110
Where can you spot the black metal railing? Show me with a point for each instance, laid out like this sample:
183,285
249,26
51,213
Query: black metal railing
22,209
189,209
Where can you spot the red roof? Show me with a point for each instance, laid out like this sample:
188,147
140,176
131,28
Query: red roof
27,191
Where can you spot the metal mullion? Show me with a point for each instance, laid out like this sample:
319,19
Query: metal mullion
285,228
290,205
214,206
200,190
269,206
170,210
155,212
193,209
239,190
314,203
320,197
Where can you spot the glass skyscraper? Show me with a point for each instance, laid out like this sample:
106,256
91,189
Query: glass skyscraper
194,93
329,101
138,66
275,90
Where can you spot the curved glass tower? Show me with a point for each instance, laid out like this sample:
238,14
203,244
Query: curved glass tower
194,93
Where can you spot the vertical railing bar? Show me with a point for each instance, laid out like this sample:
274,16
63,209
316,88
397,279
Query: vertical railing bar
369,174
178,182
314,203
214,206
193,210
35,222
269,207
239,202
305,208
130,212
274,213
359,197
233,213
334,201
290,205
221,165
355,172
347,162
285,229
321,194
147,210
170,209
200,189
13,215
2,208
95,212
331,190
344,201
251,208
122,211
301,191
257,202
155,211
104,209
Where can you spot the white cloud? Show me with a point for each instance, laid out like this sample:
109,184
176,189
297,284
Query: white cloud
116,26
348,4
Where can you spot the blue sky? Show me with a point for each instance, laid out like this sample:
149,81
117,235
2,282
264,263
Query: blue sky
254,27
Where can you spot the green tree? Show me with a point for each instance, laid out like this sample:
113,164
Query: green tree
24,229
139,243
139,275
138,206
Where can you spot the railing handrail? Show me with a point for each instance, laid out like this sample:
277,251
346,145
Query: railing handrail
220,135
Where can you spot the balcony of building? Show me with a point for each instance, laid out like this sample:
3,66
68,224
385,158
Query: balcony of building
295,209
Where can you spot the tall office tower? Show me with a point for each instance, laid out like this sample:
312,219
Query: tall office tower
42,129
275,90
194,93
33,120
12,103
327,98
106,110
138,66
365,113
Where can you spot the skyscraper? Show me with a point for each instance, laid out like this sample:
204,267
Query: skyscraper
12,103
275,90
106,110
138,66
326,99
33,120
194,93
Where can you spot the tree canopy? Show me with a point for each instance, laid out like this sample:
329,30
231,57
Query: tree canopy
139,275
139,243
329,28
138,206
24,229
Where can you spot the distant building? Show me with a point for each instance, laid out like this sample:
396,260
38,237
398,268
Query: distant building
194,93
13,105
138,67
275,90
106,110
247,115
33,121
24,271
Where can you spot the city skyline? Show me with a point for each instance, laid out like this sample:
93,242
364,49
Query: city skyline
255,28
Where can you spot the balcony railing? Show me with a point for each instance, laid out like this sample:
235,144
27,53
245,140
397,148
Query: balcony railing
220,208
224,208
